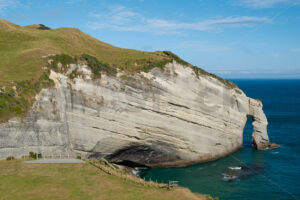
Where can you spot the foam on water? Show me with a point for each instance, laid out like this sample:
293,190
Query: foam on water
235,168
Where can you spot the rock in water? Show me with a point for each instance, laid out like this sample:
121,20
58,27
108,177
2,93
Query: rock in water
242,172
162,118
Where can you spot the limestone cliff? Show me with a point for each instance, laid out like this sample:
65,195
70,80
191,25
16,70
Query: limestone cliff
161,118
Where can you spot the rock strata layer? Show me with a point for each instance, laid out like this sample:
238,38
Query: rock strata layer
156,119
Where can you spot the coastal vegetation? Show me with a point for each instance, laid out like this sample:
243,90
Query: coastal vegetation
198,71
22,50
97,67
77,181
25,53
23,61
16,100
63,59
43,27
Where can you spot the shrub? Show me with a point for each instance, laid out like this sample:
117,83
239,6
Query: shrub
34,155
175,57
10,158
151,65
64,59
97,67
148,65
43,27
198,71
16,100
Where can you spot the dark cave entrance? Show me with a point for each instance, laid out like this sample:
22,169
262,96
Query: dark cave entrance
128,163
248,130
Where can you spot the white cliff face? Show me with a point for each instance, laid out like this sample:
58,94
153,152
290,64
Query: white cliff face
260,138
160,118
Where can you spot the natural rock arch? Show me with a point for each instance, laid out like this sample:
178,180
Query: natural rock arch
260,138
133,127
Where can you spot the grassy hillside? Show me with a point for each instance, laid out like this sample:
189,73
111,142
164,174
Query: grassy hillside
22,48
22,72
22,64
75,181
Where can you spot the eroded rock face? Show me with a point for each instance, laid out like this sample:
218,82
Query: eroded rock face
155,119
260,138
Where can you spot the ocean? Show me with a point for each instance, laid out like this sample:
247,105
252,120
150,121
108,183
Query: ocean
269,174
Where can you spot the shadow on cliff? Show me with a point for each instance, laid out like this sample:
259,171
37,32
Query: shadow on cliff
137,155
248,130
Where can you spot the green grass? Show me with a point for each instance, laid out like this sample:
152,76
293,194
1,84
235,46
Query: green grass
198,71
64,59
74,182
97,67
22,48
22,61
127,78
175,57
17,100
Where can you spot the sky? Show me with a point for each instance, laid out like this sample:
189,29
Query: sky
231,38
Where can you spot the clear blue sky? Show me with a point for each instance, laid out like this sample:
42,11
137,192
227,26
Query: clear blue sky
232,38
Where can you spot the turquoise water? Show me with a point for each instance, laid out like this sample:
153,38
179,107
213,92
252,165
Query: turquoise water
274,174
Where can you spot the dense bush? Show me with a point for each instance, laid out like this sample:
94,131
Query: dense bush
16,100
64,59
148,65
97,67
10,158
34,155
43,27
151,65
